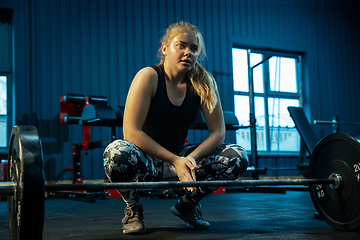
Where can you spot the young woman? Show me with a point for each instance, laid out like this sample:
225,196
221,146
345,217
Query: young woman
162,104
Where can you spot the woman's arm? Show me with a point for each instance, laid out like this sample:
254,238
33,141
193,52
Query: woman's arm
141,91
137,105
216,126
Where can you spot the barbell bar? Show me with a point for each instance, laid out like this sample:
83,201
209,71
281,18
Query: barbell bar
8,188
334,182
335,122
177,184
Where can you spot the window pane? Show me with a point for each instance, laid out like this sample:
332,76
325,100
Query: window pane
278,113
243,114
282,131
260,124
2,95
242,109
240,70
283,74
3,111
243,138
255,58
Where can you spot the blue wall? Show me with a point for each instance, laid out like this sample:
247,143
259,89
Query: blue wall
95,47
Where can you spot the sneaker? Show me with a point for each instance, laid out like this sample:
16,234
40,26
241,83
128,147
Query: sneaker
133,222
191,213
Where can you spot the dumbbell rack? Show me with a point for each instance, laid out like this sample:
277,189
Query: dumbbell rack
82,110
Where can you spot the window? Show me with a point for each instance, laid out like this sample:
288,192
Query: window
276,85
6,113
3,112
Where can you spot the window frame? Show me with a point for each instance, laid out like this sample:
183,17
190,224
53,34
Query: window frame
7,71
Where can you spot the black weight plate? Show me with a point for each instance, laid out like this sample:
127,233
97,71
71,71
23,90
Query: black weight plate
337,153
26,206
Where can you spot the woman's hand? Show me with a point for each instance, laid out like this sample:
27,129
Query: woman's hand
185,169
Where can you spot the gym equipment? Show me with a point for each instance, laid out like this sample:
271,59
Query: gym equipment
304,128
336,123
27,200
334,190
88,111
307,134
231,121
337,153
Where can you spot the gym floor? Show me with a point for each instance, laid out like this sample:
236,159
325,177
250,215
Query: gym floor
234,215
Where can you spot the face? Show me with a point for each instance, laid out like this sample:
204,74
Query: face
182,52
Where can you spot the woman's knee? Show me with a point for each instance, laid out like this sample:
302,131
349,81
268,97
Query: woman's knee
121,159
237,158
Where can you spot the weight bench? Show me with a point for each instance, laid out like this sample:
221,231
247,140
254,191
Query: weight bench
304,128
308,136
230,119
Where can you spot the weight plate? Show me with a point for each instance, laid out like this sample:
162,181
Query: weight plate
337,153
26,206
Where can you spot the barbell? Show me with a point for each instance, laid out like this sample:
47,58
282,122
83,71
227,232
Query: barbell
334,182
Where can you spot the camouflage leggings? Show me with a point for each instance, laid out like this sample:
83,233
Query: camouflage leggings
124,162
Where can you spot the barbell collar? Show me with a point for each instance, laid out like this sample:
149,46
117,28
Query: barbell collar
339,182
7,188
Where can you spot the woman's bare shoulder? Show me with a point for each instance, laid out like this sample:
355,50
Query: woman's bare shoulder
145,80
148,73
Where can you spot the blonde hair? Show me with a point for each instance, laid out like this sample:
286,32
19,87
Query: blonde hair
203,82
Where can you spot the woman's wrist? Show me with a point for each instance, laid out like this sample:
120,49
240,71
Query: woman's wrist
173,159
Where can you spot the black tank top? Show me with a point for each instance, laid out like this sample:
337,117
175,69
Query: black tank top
166,123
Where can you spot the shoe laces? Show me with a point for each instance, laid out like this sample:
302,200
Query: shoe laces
132,212
198,212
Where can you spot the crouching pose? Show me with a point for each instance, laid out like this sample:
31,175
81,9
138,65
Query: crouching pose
161,105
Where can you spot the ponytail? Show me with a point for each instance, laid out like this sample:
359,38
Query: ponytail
204,85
